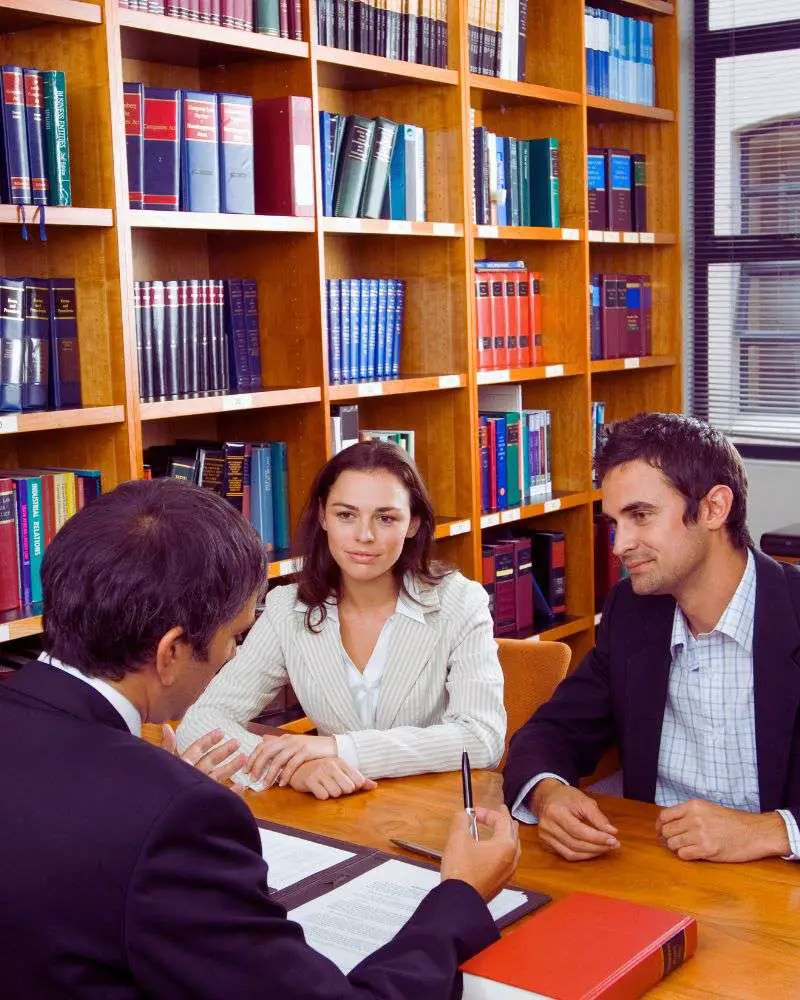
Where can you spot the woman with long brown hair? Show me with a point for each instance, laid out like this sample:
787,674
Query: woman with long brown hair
390,654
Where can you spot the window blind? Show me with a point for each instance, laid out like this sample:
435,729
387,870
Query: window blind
745,252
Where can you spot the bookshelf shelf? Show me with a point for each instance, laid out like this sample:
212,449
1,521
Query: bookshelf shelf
595,495
572,625
221,222
451,527
389,227
57,216
532,233
632,364
230,404
492,92
632,7
562,501
52,420
16,15
339,69
12,627
500,375
284,566
603,108
396,387
157,38
615,238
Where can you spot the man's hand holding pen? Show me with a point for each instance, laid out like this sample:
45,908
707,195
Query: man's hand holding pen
487,864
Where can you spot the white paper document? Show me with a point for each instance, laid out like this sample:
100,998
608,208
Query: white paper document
353,920
291,859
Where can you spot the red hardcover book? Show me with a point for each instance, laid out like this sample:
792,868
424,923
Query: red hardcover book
204,11
583,947
607,568
505,589
647,310
483,321
512,318
535,312
487,575
523,579
608,315
499,321
524,318
226,12
283,159
9,552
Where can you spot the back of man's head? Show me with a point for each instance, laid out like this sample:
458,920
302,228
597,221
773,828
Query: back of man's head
692,455
138,561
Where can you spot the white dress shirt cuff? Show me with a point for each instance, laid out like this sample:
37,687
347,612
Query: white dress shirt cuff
346,749
793,832
520,810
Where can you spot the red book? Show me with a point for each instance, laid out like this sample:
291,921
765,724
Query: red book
499,320
535,312
523,573
524,317
583,947
647,314
483,321
607,568
505,589
9,553
487,575
284,163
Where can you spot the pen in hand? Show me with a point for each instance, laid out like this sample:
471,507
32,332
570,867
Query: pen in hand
466,787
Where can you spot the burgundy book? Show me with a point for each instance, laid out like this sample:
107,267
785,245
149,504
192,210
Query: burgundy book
9,573
487,575
523,573
606,564
608,316
283,159
505,589
647,312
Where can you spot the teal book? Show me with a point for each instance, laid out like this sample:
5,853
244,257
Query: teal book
280,493
352,166
56,133
544,183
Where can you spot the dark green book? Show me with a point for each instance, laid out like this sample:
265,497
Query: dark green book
524,160
352,170
267,17
56,130
377,175
544,174
514,189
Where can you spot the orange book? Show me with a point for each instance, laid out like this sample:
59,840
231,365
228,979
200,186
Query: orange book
535,313
583,947
483,322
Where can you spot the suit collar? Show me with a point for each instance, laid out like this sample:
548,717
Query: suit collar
776,678
65,693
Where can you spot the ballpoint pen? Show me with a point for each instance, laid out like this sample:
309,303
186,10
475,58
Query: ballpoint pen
466,786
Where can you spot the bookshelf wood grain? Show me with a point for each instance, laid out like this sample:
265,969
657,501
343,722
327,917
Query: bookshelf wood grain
110,247
20,628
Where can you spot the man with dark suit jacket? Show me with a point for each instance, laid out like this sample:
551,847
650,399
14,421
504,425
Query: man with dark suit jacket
128,874
696,673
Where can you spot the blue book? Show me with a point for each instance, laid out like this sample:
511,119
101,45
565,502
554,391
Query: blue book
355,328
348,375
589,30
161,149
255,487
235,147
133,94
199,154
500,454
372,327
596,329
34,124
396,190
391,323
15,176
380,351
253,330
649,67
236,336
280,493
502,191
326,151
12,338
267,486
364,370
334,307
398,327
36,347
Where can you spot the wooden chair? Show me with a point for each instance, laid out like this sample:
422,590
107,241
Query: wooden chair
532,671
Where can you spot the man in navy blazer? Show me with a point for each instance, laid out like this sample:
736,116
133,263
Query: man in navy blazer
129,874
695,676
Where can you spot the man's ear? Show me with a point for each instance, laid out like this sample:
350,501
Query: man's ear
413,527
170,653
718,502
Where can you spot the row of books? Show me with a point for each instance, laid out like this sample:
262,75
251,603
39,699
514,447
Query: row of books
608,570
524,574
619,56
497,35
268,17
35,137
39,357
515,446
620,316
372,168
414,31
193,151
197,337
34,504
365,328
515,181
508,314
252,477
345,431
617,190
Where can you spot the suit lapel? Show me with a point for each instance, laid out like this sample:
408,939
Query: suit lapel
776,679
412,644
646,693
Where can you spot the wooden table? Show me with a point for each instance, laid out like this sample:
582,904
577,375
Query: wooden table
748,915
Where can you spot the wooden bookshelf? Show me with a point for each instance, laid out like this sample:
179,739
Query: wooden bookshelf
108,247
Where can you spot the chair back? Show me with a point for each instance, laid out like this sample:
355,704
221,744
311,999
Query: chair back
531,672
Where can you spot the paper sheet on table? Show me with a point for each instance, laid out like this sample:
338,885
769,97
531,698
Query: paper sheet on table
353,920
291,859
